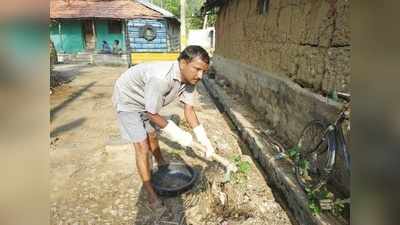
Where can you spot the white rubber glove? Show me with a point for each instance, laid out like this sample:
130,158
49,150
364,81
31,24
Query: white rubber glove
201,136
177,134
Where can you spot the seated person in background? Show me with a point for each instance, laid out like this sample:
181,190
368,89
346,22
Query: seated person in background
116,49
105,48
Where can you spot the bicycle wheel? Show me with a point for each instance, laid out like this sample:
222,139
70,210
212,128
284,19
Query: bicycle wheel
341,146
316,155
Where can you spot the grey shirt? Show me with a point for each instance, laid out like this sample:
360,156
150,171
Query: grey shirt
149,86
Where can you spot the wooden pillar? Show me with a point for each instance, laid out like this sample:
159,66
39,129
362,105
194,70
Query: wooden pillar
94,33
205,22
127,42
61,37
183,24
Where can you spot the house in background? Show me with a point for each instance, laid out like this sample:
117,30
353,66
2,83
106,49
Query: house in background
89,30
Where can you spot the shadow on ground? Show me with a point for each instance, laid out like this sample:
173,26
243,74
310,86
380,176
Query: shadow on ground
66,127
74,96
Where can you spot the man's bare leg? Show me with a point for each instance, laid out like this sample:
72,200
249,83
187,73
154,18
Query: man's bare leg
142,152
155,148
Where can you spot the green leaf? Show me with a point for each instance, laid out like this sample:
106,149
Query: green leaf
237,158
314,208
306,164
244,167
292,152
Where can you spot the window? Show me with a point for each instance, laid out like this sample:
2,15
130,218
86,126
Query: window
114,27
148,32
263,6
211,36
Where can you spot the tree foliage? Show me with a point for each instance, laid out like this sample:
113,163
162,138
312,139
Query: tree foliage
171,5
194,20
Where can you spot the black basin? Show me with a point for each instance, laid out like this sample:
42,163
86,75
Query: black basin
173,179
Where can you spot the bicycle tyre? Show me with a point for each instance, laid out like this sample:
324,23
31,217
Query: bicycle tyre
341,144
316,156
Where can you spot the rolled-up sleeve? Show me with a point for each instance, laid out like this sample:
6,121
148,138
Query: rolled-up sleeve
153,94
187,95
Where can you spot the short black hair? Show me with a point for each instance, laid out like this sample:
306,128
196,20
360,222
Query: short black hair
193,51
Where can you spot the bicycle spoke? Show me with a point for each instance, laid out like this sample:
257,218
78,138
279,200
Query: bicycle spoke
314,156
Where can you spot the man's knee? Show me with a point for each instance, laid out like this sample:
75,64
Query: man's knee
142,147
152,135
152,138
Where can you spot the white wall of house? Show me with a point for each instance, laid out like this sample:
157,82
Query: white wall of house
204,37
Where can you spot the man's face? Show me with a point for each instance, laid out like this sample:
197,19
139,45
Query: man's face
192,72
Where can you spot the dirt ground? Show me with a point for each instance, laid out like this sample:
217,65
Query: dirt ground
93,175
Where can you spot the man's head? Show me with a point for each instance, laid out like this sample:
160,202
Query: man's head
193,62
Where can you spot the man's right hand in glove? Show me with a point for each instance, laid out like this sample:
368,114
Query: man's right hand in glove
177,134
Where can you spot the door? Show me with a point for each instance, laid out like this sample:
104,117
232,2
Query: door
89,33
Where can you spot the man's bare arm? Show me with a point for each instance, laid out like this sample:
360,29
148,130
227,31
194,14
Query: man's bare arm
190,116
157,119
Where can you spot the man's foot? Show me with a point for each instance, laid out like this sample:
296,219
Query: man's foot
155,204
158,209
153,199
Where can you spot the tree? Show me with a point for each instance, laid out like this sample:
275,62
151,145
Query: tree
193,15
171,5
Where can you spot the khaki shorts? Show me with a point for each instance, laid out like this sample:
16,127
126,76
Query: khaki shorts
134,126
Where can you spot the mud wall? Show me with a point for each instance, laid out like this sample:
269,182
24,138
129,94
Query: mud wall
307,41
282,60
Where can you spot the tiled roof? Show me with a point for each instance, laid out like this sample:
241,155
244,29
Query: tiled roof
116,9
